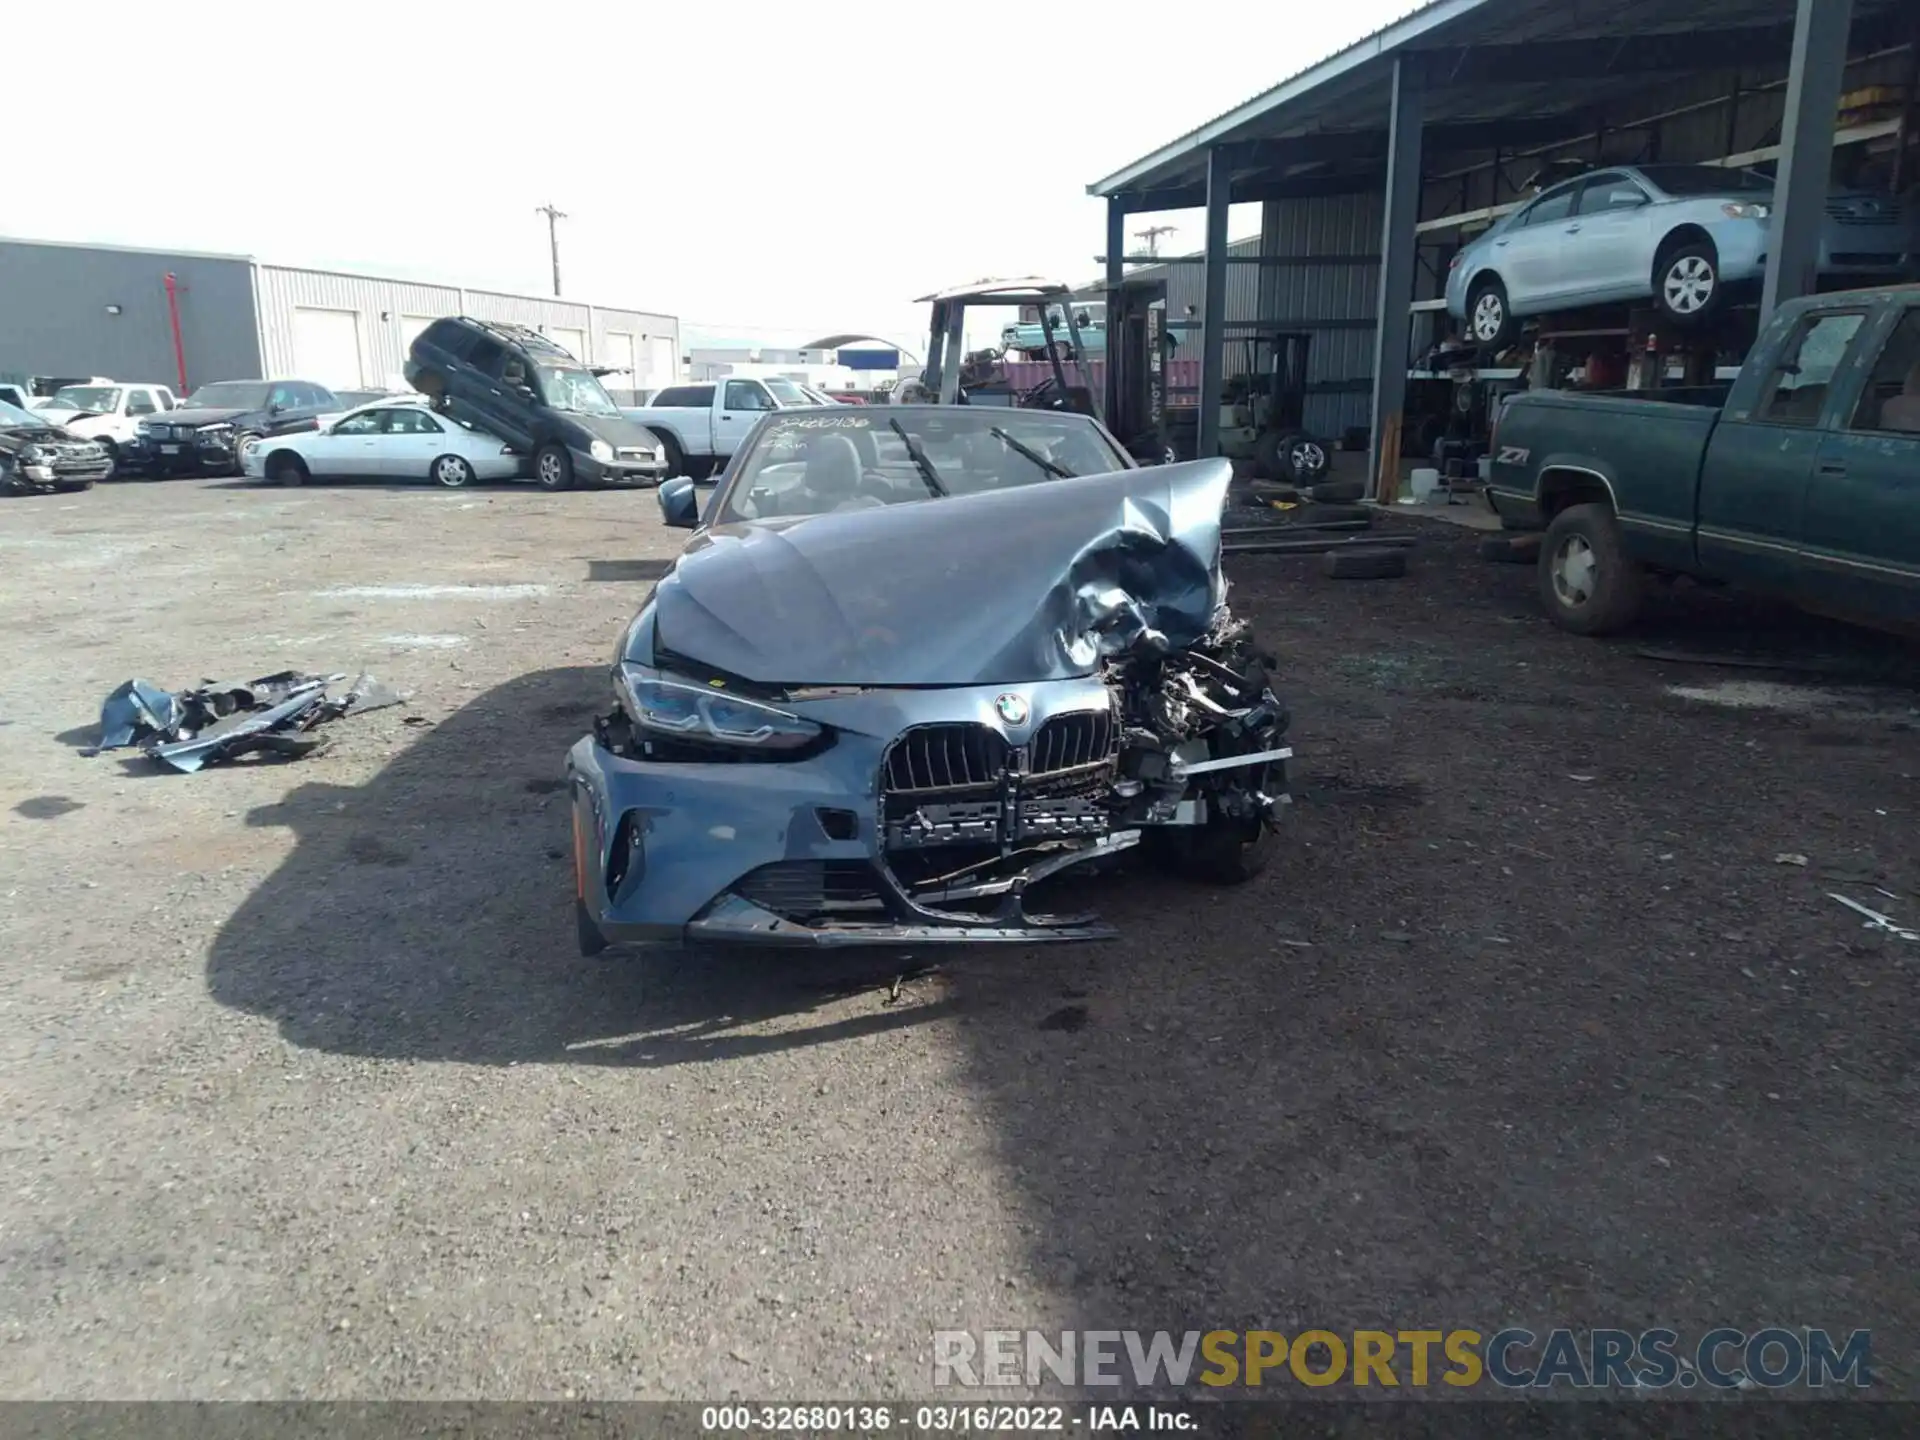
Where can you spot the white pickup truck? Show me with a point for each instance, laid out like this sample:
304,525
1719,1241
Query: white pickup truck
700,426
109,411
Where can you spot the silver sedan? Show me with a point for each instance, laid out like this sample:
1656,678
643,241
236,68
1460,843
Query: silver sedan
389,441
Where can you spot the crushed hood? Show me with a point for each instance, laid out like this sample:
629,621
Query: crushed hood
1007,587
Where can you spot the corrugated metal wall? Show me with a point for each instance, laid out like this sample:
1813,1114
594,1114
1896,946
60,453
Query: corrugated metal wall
383,306
390,313
1342,234
54,318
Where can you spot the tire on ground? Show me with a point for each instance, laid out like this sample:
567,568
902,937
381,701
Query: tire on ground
1365,563
1614,586
1339,492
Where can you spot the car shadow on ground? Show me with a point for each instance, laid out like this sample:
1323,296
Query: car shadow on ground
427,915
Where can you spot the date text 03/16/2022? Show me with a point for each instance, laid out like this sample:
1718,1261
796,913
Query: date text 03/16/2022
981,1419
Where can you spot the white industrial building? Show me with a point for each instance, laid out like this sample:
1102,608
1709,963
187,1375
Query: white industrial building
183,319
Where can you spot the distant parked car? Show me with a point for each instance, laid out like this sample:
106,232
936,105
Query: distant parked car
354,399
213,429
1684,236
37,455
394,439
1029,337
110,414
537,397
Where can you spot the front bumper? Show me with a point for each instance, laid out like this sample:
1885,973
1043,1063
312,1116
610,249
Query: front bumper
621,470
199,455
74,465
740,853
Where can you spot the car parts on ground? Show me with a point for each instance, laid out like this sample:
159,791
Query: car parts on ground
218,720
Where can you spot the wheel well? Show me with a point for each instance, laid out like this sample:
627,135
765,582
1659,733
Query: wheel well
1561,489
282,454
1482,277
1678,236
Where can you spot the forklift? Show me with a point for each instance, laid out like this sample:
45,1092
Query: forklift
1263,410
1139,349
953,377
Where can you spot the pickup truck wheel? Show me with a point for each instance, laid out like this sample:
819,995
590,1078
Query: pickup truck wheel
1687,283
553,467
1588,582
676,459
1489,322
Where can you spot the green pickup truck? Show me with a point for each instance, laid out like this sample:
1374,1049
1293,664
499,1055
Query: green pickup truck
1804,483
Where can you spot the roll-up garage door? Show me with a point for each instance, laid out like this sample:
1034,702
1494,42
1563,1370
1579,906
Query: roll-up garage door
410,328
574,342
326,347
660,369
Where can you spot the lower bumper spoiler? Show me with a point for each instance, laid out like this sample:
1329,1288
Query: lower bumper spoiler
735,921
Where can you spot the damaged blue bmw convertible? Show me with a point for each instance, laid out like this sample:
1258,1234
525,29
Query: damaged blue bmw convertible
914,663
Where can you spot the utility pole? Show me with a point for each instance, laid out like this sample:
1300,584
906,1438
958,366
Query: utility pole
554,217
1152,236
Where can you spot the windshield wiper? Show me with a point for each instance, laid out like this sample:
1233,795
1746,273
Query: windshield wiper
919,458
1052,467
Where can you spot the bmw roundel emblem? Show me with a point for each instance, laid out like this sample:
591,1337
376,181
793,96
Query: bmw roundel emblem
1012,708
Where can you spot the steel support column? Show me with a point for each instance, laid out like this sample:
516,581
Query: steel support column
1806,149
1116,273
1397,252
1213,319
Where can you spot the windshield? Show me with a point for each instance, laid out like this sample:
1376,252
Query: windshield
228,395
86,397
1682,181
785,391
12,417
811,463
576,391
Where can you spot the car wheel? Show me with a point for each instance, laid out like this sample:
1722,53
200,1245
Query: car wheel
676,460
1305,460
1588,583
1686,288
1489,323
453,472
285,469
553,467
1269,455
113,457
244,445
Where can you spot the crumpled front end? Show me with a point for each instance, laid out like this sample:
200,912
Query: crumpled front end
892,727
927,818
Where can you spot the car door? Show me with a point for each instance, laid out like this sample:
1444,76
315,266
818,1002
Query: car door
1527,255
284,404
742,403
347,448
1753,485
141,405
495,406
409,444
1607,252
1862,543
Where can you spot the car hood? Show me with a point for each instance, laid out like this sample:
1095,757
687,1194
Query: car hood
13,441
1007,587
199,417
617,432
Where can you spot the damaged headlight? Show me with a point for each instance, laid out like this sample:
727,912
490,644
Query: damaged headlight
215,432
700,713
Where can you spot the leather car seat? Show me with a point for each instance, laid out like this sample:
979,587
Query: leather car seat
1902,412
832,477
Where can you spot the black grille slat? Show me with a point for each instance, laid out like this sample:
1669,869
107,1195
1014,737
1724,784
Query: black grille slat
802,890
1074,742
945,758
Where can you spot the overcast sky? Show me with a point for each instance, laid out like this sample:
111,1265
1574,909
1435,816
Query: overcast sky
785,170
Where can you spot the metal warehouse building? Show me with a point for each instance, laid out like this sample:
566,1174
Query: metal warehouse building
72,310
1374,167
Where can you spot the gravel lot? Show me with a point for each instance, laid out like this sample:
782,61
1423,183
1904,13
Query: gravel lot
307,1094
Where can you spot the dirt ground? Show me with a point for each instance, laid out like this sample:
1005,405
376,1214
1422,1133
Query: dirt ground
308,1095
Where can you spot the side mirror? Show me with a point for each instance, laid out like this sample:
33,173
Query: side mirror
679,504
275,408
